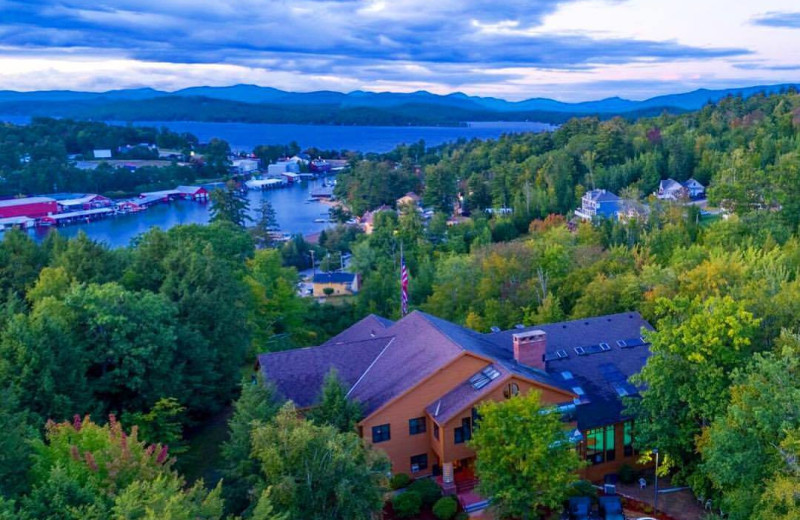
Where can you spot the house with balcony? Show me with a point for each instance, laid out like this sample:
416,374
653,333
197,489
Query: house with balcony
598,204
420,380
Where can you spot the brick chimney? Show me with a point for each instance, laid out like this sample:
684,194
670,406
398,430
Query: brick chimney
529,348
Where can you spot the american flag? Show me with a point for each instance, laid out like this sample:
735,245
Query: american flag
403,285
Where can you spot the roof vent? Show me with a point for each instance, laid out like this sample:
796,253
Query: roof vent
495,329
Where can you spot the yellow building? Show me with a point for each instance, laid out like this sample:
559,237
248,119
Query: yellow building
338,284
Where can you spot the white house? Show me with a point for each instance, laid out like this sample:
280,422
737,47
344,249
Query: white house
245,165
695,188
102,154
281,167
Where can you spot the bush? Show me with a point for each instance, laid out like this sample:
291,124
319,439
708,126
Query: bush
627,475
462,516
399,481
445,508
407,504
582,488
428,489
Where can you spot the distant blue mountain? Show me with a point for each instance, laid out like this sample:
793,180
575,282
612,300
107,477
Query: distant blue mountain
245,102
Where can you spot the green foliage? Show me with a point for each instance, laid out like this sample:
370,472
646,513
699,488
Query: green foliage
627,475
14,446
697,346
445,508
742,451
428,490
256,405
164,498
407,504
582,488
334,408
524,460
227,205
162,424
317,471
399,481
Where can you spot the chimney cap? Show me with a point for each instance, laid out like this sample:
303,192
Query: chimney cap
529,334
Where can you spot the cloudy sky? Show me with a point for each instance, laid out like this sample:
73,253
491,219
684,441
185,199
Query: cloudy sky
568,50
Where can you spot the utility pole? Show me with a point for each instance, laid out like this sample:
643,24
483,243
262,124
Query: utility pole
313,265
655,500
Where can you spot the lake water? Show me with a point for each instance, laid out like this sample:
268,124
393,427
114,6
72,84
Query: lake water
294,215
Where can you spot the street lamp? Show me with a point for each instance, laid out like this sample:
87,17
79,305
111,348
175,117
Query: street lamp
655,500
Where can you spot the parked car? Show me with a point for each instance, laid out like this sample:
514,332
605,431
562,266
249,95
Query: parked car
579,508
611,508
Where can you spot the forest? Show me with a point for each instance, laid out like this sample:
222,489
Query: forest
154,340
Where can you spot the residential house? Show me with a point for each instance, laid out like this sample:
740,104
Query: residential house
420,379
695,189
338,284
598,204
409,198
670,189
245,165
367,220
630,209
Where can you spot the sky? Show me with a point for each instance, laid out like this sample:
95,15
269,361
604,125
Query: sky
571,50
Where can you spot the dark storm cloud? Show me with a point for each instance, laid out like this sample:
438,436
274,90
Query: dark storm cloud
779,19
448,37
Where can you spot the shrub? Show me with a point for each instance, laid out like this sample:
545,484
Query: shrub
462,516
399,481
407,504
445,508
582,488
627,475
428,489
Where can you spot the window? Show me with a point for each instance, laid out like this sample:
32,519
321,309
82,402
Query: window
462,433
416,426
511,390
419,462
476,418
600,445
627,438
436,431
594,446
610,445
381,433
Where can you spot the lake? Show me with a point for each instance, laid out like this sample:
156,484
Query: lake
293,213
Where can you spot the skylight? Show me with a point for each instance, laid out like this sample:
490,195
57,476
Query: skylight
484,377
578,390
567,375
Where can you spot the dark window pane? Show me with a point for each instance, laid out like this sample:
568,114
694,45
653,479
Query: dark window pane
381,433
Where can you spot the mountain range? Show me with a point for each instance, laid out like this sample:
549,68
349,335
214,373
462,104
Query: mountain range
251,103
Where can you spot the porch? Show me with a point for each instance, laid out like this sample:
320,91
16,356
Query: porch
458,479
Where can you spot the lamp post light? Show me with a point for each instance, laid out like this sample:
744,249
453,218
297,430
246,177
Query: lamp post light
655,500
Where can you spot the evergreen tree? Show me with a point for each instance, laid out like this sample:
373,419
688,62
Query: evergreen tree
334,408
227,205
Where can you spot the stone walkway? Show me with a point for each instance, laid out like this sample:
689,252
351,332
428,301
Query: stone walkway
681,505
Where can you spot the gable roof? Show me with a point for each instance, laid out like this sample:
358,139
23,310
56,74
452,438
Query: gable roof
602,196
25,200
366,328
298,374
381,360
670,185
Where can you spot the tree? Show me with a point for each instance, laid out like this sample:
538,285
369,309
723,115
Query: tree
742,451
162,424
256,405
164,498
334,408
266,224
317,472
227,205
693,354
14,445
524,459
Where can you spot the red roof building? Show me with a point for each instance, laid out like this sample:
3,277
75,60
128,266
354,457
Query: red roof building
32,207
